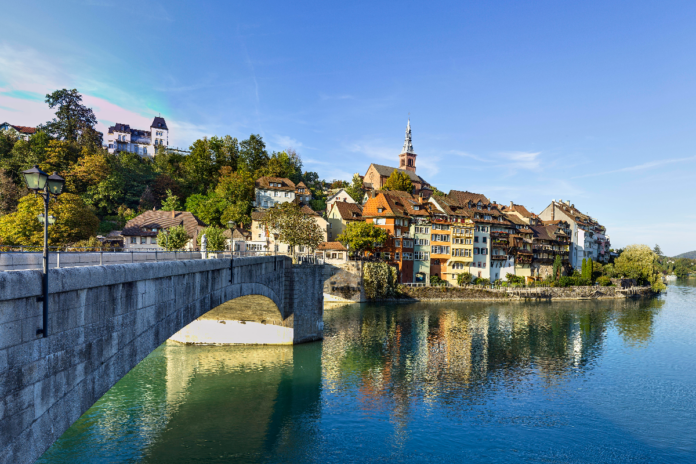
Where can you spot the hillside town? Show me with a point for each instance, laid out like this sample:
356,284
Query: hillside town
429,234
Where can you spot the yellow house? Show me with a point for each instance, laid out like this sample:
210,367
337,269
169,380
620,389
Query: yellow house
340,215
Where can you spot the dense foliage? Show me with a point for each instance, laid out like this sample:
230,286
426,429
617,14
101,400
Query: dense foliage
215,181
362,236
399,180
640,262
379,280
293,227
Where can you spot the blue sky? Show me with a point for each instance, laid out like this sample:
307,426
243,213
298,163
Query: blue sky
521,101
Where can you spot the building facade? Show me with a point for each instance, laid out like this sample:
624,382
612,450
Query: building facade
22,132
121,137
140,233
341,214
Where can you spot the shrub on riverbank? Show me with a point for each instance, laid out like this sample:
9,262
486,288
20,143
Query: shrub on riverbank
379,280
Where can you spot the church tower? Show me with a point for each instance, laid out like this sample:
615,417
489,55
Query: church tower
407,158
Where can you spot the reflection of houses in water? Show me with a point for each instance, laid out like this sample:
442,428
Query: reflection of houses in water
434,352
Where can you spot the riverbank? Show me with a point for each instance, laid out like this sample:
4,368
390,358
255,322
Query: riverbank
413,294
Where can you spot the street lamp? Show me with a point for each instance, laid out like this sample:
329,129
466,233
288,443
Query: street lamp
275,244
42,184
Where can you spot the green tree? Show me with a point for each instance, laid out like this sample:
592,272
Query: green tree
72,117
239,212
355,190
284,164
437,192
293,227
209,208
464,278
590,269
10,193
225,152
215,236
252,153
640,262
199,167
399,180
362,236
657,250
583,268
74,221
235,187
171,203
174,238
558,267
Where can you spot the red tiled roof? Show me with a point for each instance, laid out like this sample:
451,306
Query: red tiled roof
336,246
162,220
349,211
265,183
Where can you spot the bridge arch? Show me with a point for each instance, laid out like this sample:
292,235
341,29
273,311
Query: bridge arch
103,320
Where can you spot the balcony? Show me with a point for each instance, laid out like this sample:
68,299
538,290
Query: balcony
499,257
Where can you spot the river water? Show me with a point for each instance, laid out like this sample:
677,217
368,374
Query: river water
585,381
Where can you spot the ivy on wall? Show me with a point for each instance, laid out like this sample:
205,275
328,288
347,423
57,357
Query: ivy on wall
379,280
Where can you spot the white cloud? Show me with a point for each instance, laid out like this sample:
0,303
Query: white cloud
522,160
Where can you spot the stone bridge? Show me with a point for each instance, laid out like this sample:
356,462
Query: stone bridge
103,320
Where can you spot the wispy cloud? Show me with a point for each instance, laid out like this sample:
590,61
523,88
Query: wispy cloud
640,167
522,160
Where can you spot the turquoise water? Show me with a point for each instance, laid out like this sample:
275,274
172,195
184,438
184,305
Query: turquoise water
447,382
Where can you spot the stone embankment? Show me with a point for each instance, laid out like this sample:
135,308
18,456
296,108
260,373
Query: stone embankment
539,293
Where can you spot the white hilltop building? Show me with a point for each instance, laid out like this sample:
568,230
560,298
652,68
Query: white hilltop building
121,137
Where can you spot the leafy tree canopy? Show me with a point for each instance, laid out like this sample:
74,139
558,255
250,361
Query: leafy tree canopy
74,221
640,262
293,227
215,237
73,119
174,238
362,236
399,181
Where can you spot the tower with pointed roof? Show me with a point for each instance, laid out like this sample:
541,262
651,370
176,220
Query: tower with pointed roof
407,158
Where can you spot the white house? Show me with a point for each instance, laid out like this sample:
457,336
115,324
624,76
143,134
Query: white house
339,195
19,131
121,137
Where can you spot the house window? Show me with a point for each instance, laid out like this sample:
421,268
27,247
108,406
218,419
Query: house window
397,243
484,239
143,240
476,239
379,210
379,221
153,240
134,240
408,244
287,194
408,256
265,202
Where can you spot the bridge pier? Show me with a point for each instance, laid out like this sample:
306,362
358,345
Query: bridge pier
103,320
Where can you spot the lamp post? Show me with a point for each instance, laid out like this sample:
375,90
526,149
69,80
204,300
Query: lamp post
44,185
275,244
231,225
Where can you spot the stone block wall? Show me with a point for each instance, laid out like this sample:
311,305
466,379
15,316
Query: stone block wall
304,287
10,261
344,282
103,320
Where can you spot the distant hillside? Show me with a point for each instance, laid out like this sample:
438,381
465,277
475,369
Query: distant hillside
687,255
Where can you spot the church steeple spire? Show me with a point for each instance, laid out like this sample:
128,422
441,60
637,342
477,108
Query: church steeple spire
407,158
408,146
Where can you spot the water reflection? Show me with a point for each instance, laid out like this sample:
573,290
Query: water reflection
417,383
427,350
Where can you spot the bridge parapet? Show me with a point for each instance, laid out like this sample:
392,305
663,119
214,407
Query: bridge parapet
103,320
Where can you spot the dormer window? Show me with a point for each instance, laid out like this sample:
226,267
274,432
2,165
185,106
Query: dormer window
489,207
380,210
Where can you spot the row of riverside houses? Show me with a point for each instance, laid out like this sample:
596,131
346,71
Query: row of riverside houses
428,235
446,235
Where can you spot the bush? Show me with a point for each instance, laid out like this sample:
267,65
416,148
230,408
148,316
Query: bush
434,280
464,278
482,281
513,279
604,281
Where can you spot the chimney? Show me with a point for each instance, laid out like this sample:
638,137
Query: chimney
510,204
173,214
